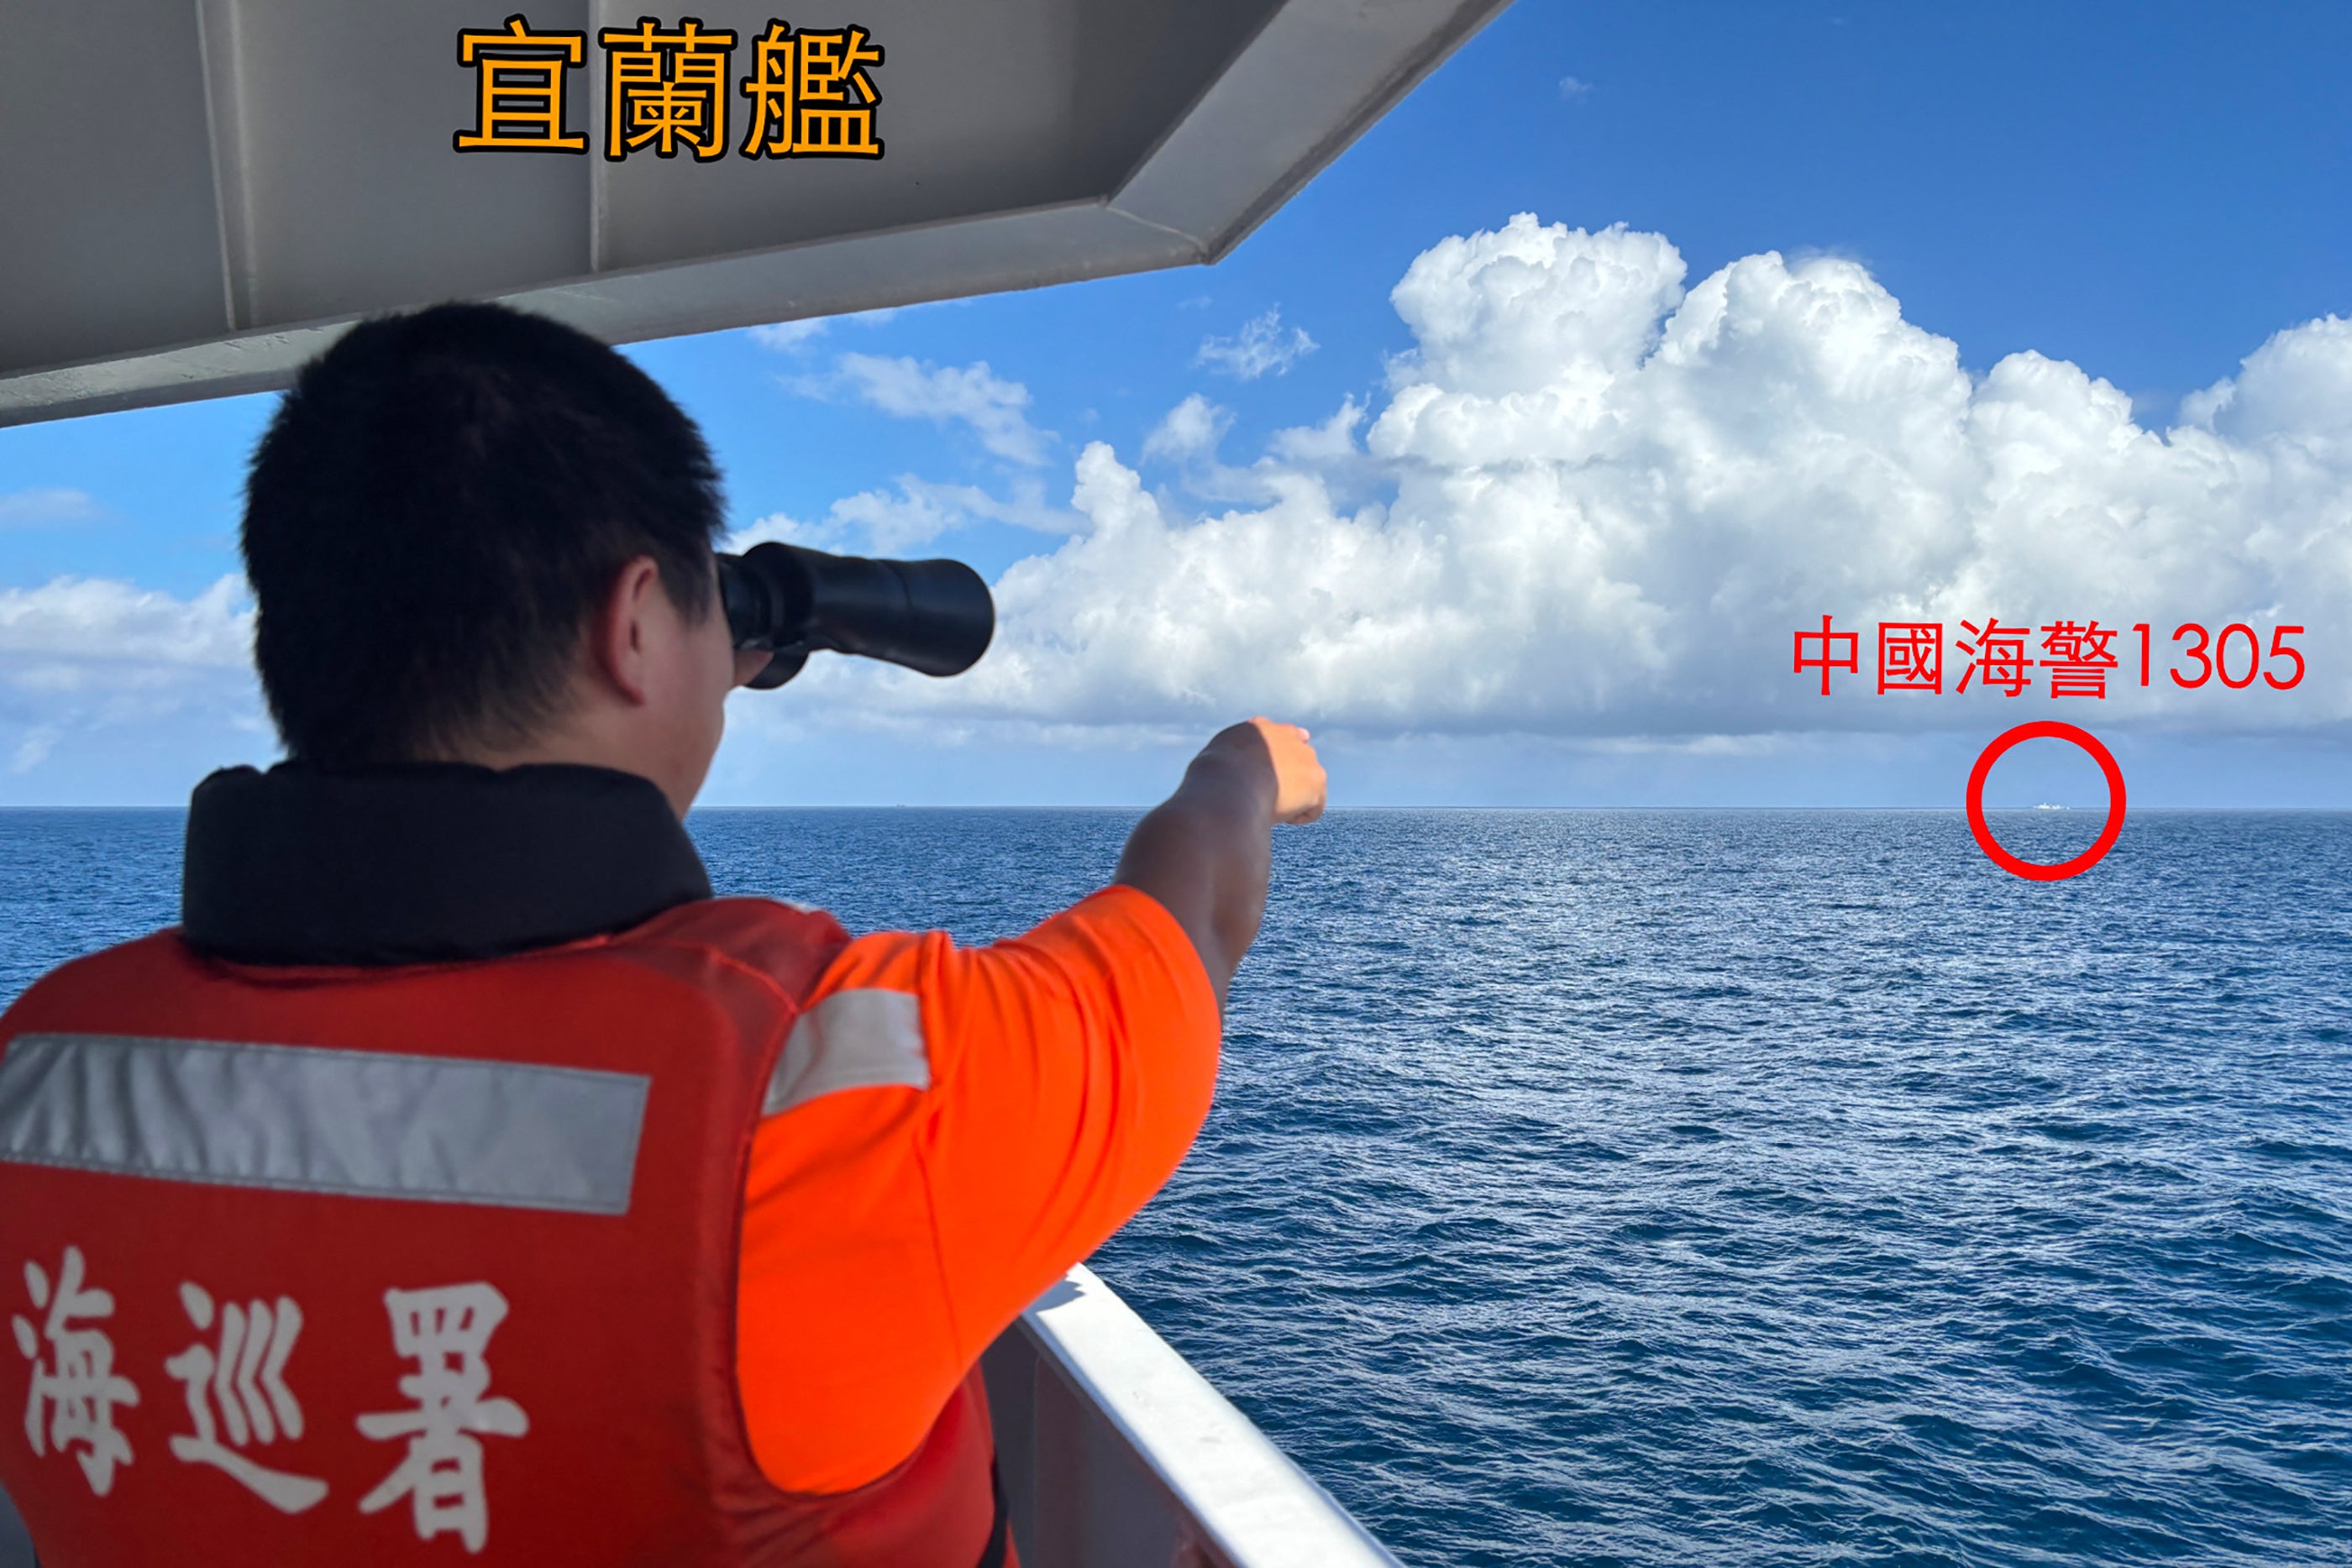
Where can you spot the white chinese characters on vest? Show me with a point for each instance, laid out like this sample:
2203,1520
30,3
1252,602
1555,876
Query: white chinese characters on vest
79,1388
446,1332
247,1378
239,1397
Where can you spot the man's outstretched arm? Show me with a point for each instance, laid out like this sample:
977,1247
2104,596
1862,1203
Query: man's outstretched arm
1070,1068
1204,853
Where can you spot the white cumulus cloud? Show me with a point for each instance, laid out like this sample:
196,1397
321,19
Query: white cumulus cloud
791,336
1191,429
45,503
1260,347
785,337
34,747
1596,502
80,656
995,409
102,622
891,522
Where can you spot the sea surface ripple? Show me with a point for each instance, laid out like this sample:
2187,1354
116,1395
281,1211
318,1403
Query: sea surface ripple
1730,1188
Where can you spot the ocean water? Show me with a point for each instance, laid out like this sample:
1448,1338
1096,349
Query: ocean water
1723,1187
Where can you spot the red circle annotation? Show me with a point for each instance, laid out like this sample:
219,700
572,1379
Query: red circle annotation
2046,729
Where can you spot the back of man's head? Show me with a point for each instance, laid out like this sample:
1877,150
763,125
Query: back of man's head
439,506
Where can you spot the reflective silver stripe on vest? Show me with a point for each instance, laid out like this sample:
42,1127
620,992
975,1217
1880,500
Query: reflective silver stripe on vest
310,1119
852,1040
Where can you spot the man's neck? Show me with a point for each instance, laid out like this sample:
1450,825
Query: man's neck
579,740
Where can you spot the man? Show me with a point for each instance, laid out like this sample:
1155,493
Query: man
460,1177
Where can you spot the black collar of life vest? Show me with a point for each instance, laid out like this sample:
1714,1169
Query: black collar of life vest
422,862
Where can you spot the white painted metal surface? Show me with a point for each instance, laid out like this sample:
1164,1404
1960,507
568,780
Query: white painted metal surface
1117,1454
195,195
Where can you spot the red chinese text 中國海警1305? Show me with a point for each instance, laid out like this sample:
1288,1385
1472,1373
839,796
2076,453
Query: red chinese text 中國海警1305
2064,658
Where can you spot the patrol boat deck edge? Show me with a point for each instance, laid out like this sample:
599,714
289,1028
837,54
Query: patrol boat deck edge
1114,1450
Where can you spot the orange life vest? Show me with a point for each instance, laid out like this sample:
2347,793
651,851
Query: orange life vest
428,1263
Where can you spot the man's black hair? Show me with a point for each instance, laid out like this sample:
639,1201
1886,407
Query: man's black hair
435,512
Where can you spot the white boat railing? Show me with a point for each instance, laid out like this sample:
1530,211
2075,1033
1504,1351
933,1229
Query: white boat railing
1115,1453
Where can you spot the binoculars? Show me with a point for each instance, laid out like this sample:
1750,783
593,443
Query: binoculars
930,615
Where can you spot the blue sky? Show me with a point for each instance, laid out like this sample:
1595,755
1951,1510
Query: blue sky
2140,195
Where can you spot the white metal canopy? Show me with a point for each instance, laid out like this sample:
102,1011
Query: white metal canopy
197,195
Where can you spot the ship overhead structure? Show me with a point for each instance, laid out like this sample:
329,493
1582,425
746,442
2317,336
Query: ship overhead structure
200,192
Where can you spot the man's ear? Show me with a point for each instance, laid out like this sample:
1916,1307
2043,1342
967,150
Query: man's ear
618,636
